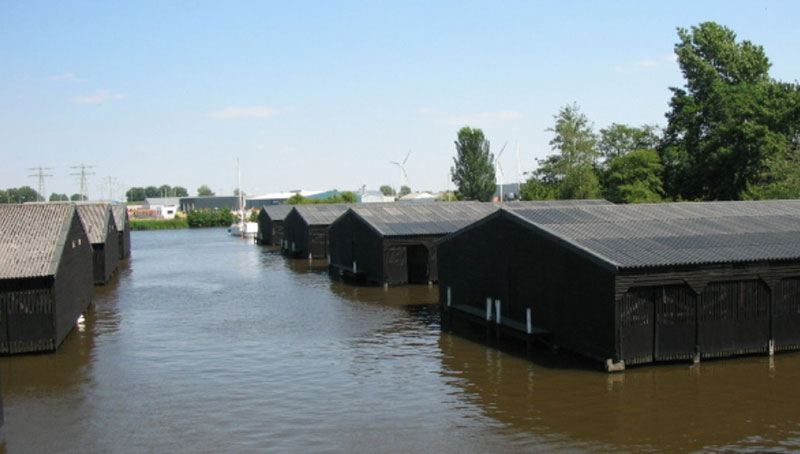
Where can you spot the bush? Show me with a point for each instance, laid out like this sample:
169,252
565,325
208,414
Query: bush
210,218
159,224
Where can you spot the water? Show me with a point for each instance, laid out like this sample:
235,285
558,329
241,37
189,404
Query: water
208,343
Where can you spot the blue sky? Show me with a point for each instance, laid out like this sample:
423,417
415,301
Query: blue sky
321,95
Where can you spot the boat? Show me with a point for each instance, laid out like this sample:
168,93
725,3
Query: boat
241,227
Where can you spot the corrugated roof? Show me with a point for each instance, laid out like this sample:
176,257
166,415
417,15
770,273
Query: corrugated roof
32,238
120,216
322,213
95,220
670,234
423,218
442,218
277,212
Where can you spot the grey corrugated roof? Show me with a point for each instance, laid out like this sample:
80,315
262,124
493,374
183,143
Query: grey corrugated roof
95,218
322,213
277,212
669,234
441,218
120,216
32,238
423,218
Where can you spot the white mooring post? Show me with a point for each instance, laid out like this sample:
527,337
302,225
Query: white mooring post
355,268
488,309
449,297
497,310
528,320
292,246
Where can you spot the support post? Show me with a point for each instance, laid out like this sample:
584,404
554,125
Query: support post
529,325
498,319
449,297
488,309
612,366
772,347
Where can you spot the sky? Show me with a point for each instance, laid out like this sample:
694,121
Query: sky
324,95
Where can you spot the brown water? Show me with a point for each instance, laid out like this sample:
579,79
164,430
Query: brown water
207,343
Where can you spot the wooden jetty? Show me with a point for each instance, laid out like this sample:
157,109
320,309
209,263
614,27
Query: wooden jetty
45,275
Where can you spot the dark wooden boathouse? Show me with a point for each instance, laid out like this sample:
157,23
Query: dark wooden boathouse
45,275
628,284
123,224
98,221
305,229
270,224
394,243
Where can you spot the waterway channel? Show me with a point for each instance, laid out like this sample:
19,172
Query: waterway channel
205,343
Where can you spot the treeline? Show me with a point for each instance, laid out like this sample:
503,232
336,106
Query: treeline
733,132
342,197
28,194
138,194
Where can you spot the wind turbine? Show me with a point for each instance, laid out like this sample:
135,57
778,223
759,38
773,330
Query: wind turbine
498,170
403,173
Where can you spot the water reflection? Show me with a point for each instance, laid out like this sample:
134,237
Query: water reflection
738,405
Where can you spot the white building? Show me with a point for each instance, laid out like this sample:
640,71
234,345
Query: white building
164,207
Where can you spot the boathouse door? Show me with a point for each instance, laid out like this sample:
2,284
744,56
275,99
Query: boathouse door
636,325
417,257
675,323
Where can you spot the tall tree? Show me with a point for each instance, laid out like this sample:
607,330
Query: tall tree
569,173
404,190
473,169
617,139
58,197
730,120
634,177
387,190
152,191
204,191
135,194
180,191
77,197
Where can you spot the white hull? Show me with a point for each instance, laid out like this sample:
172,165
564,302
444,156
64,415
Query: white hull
248,229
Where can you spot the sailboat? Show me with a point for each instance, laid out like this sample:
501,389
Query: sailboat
241,227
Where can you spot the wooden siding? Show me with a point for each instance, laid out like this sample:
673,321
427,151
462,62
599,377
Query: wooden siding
409,260
351,241
296,236
73,287
500,259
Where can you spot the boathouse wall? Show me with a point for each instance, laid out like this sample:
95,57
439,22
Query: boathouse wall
500,263
296,236
37,313
356,249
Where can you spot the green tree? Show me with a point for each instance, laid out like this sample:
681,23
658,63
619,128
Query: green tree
617,139
204,191
731,122
58,197
473,170
296,199
165,190
180,191
634,177
571,172
152,191
535,189
387,190
404,190
135,194
78,198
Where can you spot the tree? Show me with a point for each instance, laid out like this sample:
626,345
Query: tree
731,122
180,191
617,140
165,190
535,189
152,191
387,190
78,198
58,197
404,190
634,177
204,191
473,172
135,195
296,199
571,172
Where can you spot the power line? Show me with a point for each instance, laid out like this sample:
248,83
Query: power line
82,177
41,175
